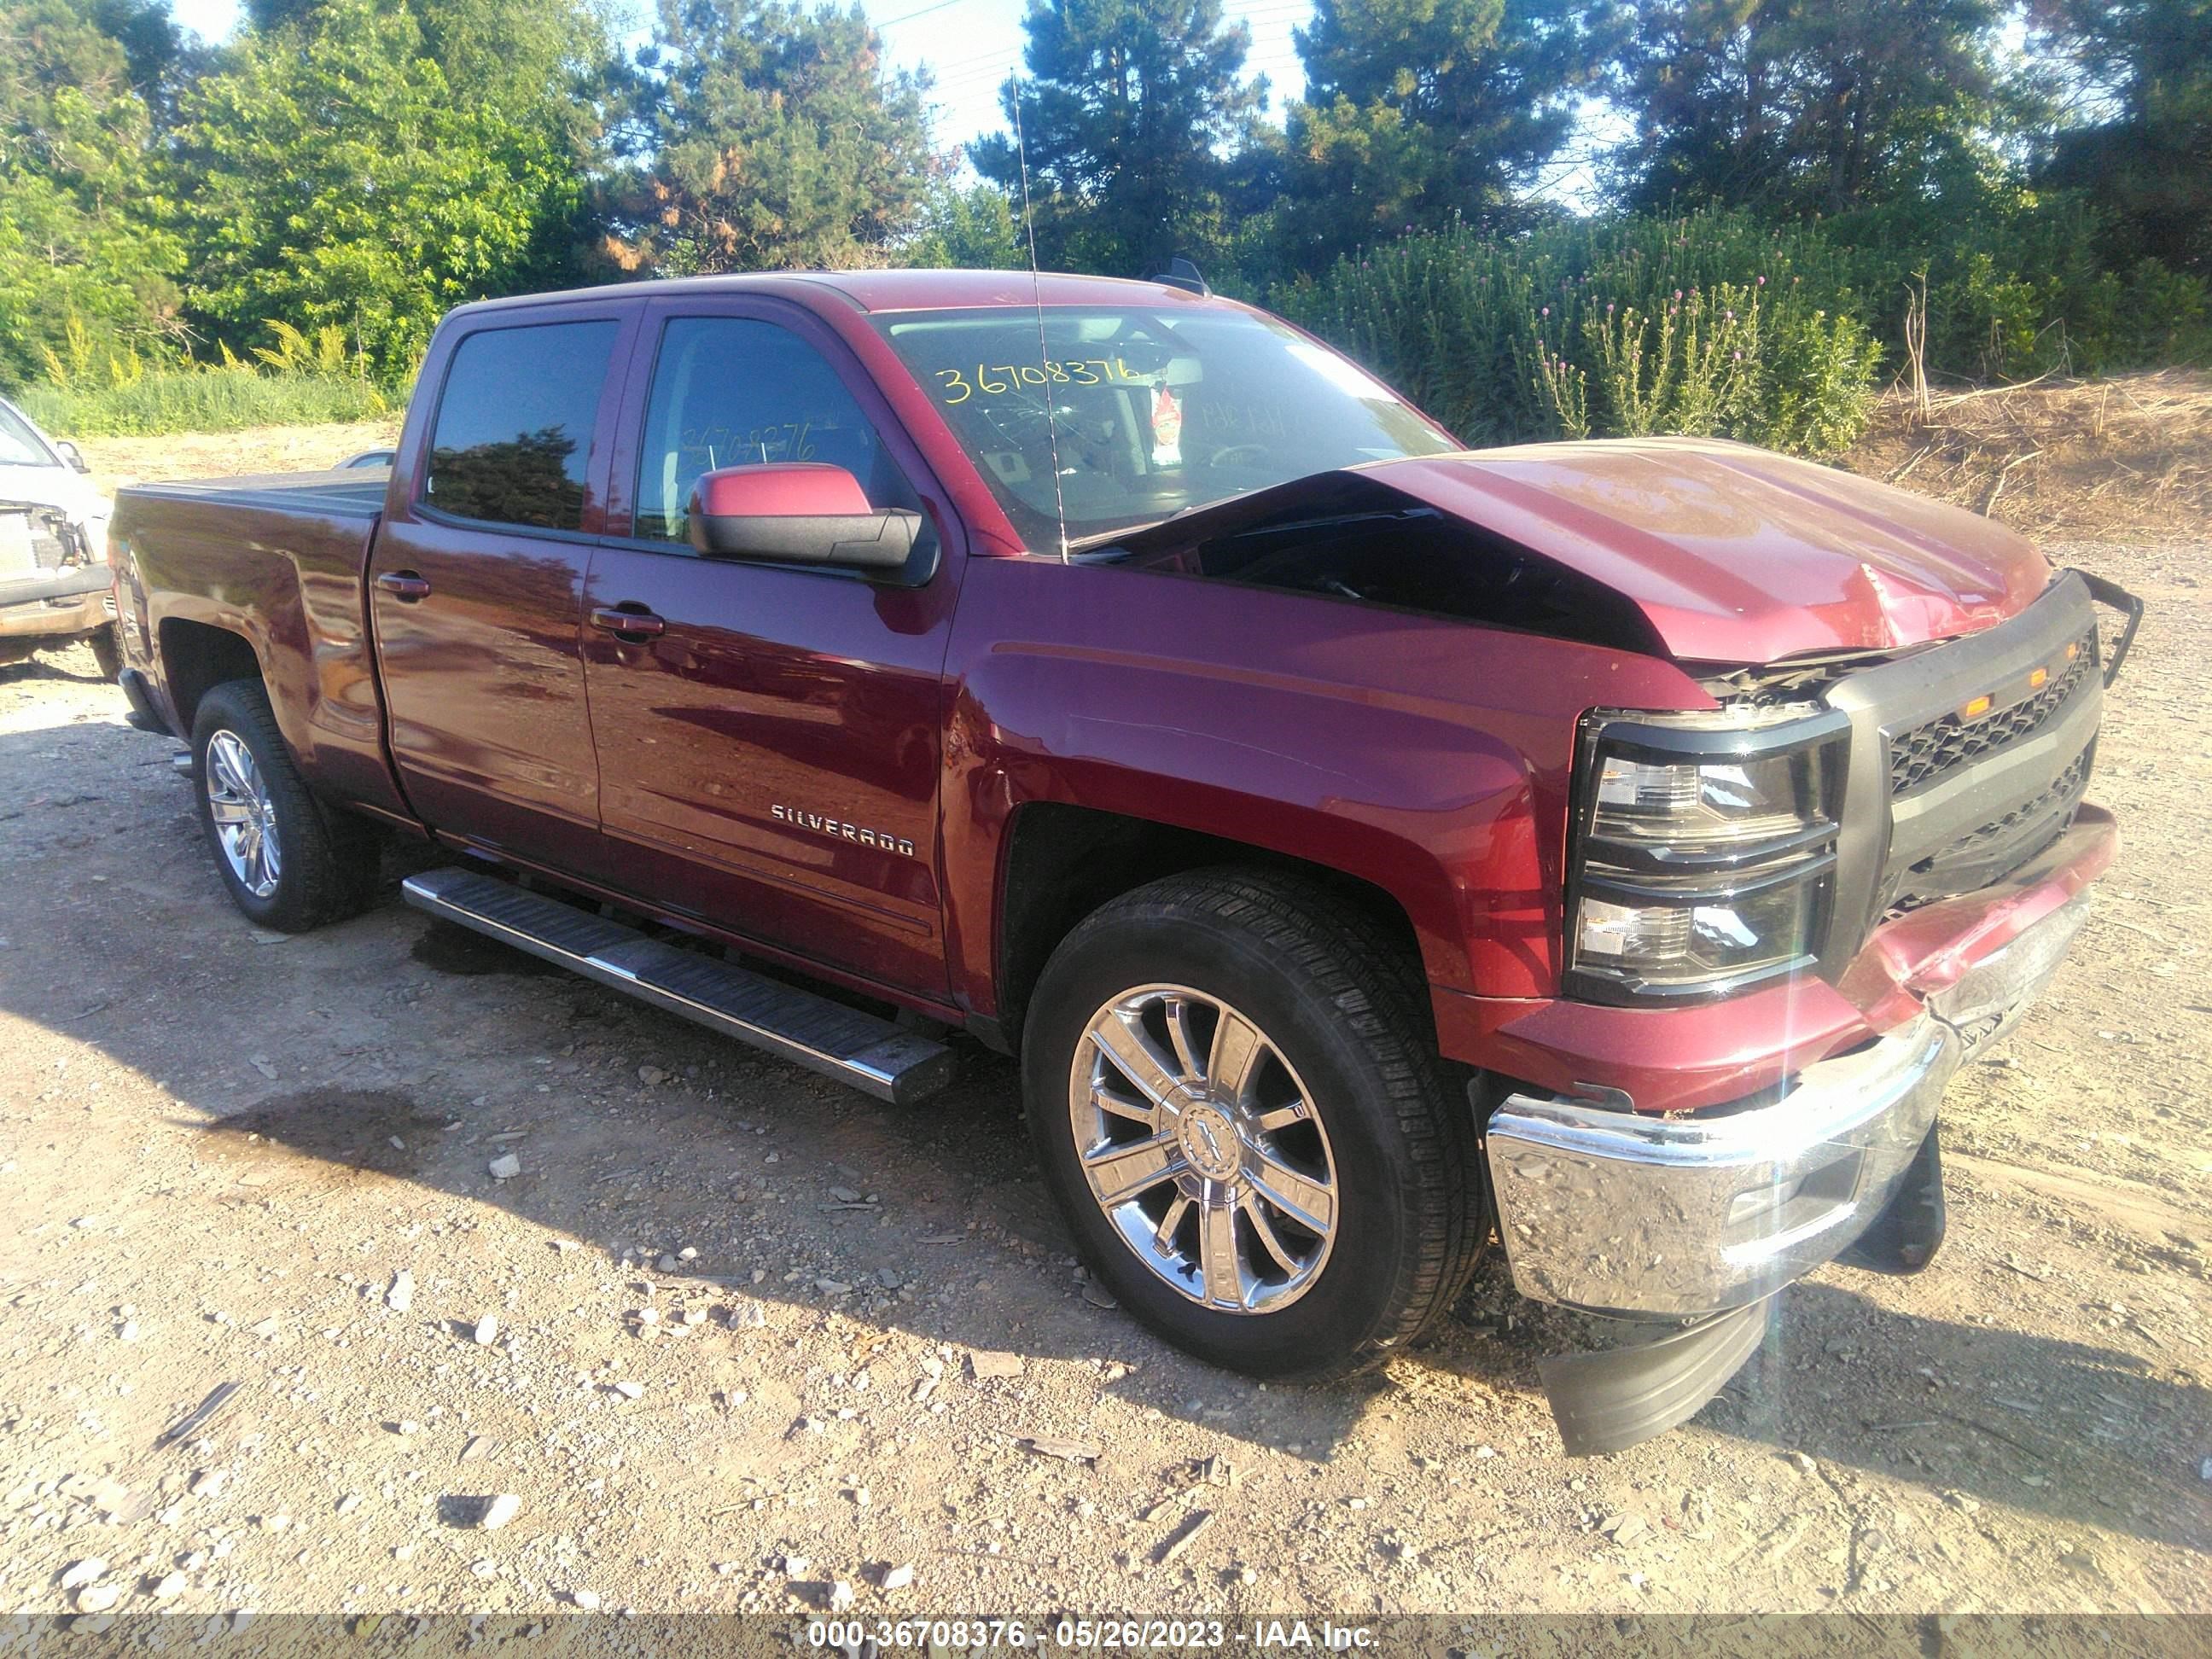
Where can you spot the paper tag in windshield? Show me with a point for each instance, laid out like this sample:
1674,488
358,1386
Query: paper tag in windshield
1167,428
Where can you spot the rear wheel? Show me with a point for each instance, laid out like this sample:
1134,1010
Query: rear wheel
1237,1100
288,863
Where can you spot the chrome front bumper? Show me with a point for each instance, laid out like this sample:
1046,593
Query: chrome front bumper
1678,1217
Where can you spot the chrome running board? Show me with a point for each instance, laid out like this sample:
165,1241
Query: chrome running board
871,1054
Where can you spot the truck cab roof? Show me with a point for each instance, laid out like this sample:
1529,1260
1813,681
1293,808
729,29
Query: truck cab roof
873,291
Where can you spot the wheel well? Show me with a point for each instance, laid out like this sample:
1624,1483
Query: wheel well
196,657
1063,862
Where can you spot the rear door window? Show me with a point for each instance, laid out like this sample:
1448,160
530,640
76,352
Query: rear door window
513,440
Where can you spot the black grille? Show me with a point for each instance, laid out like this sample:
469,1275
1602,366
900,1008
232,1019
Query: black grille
1934,747
1963,864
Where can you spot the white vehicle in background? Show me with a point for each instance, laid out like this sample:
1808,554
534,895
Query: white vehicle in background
55,583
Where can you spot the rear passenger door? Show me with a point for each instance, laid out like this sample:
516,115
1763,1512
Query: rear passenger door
476,584
769,751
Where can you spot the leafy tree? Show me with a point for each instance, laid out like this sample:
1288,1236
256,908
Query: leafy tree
334,172
1423,113
2141,69
160,62
1804,106
83,271
967,228
770,136
1128,111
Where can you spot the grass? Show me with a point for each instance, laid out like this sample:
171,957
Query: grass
223,400
2124,458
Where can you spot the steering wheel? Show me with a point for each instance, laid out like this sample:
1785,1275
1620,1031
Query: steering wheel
1228,454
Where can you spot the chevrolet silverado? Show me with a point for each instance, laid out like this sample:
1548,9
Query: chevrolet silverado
1370,848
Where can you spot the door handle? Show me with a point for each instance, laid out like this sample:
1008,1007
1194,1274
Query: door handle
404,586
634,624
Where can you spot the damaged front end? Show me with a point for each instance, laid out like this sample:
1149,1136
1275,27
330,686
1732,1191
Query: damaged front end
1353,535
1907,833
1706,1217
52,584
1846,875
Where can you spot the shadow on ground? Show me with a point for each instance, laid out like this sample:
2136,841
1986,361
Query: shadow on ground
376,1104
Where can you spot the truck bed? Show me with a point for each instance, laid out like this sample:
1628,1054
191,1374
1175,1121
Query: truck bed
351,492
279,561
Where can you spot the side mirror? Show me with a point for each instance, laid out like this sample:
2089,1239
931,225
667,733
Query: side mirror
800,511
70,453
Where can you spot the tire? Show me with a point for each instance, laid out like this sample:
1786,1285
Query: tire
107,653
1385,1139
324,866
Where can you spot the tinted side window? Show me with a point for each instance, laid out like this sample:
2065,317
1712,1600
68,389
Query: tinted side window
733,391
513,442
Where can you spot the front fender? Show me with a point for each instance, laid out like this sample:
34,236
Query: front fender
1429,758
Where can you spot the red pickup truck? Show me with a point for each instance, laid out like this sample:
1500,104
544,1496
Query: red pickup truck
1369,848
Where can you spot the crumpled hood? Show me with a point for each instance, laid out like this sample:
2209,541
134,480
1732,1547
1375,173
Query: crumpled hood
1736,555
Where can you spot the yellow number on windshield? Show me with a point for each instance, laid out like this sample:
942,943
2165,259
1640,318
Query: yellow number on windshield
955,381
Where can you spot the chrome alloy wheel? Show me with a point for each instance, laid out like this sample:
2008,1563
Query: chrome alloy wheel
1202,1147
245,817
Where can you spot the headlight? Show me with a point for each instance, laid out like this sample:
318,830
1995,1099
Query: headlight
1704,851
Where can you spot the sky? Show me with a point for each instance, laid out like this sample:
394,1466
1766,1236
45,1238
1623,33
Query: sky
970,45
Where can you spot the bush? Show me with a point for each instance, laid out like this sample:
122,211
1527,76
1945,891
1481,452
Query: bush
2017,286
1711,323
302,380
194,399
1721,323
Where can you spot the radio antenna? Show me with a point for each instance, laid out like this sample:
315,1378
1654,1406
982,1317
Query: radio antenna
1036,297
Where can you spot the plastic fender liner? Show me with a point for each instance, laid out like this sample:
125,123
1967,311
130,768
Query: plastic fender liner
1905,1237
1616,1398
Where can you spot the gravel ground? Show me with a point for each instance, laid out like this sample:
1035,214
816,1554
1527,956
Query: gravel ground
733,1336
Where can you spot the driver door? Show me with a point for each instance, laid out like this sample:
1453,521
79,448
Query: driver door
768,736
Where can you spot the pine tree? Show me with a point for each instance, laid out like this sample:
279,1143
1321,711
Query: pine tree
1803,106
771,136
2145,67
1418,113
1129,110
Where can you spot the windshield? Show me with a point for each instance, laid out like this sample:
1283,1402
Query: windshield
1151,412
19,444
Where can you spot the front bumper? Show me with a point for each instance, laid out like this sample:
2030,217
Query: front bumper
52,602
1684,1216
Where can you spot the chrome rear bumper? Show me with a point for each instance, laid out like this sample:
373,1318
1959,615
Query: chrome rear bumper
1681,1217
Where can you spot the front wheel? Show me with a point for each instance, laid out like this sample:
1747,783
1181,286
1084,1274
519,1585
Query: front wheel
1236,1099
288,864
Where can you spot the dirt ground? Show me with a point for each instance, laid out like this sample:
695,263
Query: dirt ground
2111,459
119,461
220,1148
